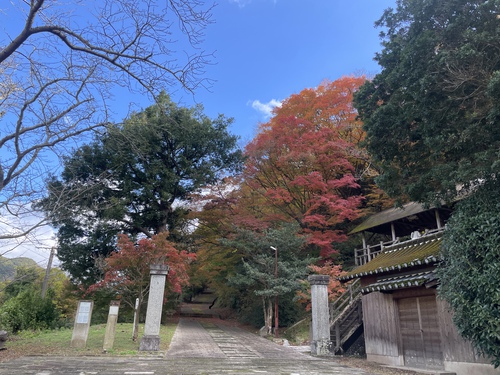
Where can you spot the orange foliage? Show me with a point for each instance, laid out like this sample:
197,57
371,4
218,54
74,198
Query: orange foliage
306,162
335,288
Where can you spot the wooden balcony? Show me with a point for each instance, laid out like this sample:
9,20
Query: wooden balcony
368,253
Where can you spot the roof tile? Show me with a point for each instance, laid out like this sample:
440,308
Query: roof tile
414,254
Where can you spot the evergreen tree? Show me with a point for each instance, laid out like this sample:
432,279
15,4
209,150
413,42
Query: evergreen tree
432,114
134,179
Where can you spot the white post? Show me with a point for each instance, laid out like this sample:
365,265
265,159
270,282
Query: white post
136,317
393,232
438,219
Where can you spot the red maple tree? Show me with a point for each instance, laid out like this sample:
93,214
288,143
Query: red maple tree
127,271
306,161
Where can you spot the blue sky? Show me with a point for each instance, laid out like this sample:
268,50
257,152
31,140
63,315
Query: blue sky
267,50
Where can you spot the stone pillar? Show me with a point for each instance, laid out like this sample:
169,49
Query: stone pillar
82,324
151,339
320,343
109,335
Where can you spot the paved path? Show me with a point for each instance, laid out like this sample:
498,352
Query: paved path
198,347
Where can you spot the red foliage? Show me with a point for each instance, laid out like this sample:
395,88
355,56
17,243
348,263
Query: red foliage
306,161
127,270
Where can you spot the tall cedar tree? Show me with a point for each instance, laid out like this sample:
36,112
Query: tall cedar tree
432,115
133,179
307,164
432,118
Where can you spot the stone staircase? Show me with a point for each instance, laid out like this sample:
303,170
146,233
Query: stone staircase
346,319
201,306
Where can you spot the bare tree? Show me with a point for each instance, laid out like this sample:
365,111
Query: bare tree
61,64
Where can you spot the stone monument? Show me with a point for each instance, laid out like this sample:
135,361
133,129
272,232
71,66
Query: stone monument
82,324
151,339
320,343
109,335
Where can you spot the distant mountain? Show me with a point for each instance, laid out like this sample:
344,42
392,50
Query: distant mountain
8,266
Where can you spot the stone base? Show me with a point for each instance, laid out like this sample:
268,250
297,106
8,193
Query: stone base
3,339
150,343
321,347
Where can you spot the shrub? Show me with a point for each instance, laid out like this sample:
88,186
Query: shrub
469,269
28,311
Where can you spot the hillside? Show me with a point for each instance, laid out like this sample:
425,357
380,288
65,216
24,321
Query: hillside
8,266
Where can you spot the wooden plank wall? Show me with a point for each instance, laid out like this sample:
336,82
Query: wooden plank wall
455,348
380,325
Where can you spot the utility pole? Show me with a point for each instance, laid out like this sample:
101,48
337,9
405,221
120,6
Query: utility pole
47,272
276,324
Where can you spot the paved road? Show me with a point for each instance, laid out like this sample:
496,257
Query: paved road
198,347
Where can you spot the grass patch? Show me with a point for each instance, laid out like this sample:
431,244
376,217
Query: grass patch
298,334
57,342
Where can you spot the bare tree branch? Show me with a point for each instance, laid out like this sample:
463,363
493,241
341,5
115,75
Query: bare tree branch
61,64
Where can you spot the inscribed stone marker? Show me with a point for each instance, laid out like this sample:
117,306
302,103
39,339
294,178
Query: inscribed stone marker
82,324
109,336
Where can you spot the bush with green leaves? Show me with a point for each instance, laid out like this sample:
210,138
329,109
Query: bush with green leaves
469,271
28,311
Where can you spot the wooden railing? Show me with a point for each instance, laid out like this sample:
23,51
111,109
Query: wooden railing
368,253
364,255
345,316
341,304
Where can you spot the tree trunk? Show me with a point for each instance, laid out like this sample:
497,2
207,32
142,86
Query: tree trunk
268,314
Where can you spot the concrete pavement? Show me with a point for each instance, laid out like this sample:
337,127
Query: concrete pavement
198,347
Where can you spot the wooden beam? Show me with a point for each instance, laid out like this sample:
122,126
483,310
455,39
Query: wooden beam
393,232
438,219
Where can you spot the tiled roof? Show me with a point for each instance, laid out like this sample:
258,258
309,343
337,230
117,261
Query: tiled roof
400,282
400,257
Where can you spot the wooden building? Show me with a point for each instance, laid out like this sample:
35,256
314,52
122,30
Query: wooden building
405,323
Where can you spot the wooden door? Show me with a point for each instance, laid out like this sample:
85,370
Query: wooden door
420,336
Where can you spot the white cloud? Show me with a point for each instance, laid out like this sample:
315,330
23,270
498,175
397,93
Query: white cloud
243,3
36,244
266,108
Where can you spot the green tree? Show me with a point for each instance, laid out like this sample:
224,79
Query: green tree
24,277
256,274
432,114
61,67
432,121
136,180
469,269
22,306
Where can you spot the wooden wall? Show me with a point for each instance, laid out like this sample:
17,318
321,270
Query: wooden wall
380,325
455,348
382,333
